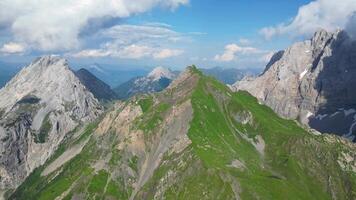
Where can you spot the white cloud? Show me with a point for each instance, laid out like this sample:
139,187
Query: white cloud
128,34
232,50
56,24
134,52
167,53
12,48
91,53
326,14
130,52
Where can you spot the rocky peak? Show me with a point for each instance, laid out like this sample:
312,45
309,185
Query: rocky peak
160,72
38,107
311,79
321,37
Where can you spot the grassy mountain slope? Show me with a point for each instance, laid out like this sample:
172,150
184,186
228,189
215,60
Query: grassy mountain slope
197,140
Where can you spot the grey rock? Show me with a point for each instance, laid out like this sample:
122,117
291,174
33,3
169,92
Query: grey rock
309,79
38,107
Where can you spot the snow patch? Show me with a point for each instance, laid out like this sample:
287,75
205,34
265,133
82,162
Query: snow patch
349,112
303,74
309,114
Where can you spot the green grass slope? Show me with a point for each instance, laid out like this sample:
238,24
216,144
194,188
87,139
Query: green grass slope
239,150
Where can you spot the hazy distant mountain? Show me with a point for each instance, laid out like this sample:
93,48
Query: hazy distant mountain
114,76
100,90
157,80
313,81
7,71
229,75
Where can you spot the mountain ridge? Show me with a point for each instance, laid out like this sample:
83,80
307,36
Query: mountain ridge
199,139
97,87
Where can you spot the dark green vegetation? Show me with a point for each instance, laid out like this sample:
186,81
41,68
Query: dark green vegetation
239,149
146,103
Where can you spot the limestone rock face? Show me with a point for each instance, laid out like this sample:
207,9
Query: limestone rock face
313,81
38,107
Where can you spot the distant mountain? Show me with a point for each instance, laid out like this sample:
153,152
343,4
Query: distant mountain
196,140
157,80
229,75
7,71
312,81
114,76
38,108
98,88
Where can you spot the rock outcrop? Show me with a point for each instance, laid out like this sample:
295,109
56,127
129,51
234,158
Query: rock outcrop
38,107
312,81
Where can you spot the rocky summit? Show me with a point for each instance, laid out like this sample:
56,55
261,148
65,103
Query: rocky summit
38,107
157,80
197,139
312,81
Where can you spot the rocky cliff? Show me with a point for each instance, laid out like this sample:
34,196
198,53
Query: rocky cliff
38,107
312,81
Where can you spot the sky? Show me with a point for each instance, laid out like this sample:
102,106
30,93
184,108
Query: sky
169,33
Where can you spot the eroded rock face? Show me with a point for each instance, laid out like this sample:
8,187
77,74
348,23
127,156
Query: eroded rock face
39,106
167,137
311,81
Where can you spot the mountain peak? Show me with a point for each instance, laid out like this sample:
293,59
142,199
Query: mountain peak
49,60
160,72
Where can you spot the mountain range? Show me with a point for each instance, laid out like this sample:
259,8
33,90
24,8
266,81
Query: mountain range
185,135
196,139
114,75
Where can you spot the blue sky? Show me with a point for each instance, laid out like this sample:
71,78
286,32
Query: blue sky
171,33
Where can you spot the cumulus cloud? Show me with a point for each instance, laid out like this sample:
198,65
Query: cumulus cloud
12,48
232,50
151,40
325,14
57,24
